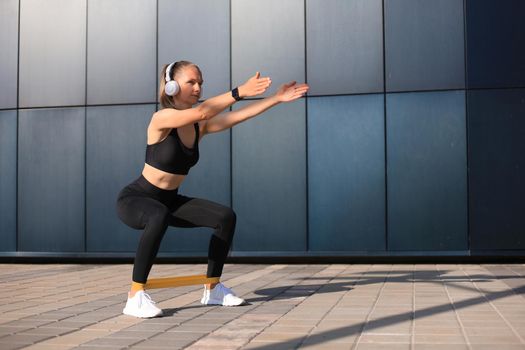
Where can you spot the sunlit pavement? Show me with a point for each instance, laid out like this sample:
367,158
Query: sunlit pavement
330,306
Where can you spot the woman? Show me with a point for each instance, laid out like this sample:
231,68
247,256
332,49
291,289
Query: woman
152,202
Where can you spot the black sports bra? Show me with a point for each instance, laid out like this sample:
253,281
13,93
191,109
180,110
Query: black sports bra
171,155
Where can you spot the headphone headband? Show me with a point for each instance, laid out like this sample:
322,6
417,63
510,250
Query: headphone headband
168,71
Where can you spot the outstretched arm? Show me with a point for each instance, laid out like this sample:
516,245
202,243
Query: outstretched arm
173,118
253,87
286,93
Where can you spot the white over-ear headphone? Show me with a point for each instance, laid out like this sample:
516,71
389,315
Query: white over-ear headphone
172,87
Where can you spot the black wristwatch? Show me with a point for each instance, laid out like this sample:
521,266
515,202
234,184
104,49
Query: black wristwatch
235,94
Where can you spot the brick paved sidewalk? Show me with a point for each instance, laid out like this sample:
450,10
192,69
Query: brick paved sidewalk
332,307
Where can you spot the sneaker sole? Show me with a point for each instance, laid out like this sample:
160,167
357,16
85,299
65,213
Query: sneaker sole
214,302
141,316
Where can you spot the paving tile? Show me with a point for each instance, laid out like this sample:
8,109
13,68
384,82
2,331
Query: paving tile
98,347
484,323
518,324
436,322
385,338
178,336
293,306
390,346
495,339
196,328
439,339
162,344
502,331
30,323
133,334
272,346
499,347
442,347
321,339
277,337
290,329
296,322
12,346
68,324
76,338
5,330
51,332
483,315
145,326
39,346
326,346
388,330
437,330
112,342
23,339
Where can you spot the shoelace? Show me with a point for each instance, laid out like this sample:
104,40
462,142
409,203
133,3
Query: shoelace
147,297
225,290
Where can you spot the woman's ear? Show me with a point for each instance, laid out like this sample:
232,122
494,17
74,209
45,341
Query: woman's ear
171,88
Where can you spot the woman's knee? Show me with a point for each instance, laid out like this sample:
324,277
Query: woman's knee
226,224
228,217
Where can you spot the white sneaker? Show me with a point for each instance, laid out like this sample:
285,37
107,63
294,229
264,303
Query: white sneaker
220,295
141,306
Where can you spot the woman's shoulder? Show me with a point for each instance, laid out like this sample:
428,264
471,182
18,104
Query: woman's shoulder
158,117
164,112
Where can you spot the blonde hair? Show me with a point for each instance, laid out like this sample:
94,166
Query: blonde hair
165,100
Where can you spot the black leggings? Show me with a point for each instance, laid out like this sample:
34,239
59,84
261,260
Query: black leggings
142,205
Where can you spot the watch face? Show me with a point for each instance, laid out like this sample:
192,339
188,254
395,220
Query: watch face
235,94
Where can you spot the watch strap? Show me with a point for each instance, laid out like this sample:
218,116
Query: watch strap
235,94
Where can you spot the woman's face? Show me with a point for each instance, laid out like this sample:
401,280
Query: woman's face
190,82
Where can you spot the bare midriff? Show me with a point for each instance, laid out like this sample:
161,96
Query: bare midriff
162,179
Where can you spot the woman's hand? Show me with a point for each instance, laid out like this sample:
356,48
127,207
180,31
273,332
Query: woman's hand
254,86
291,91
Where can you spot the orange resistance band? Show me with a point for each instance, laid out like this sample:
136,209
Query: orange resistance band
180,281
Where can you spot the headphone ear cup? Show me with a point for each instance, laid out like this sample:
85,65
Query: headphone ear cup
171,88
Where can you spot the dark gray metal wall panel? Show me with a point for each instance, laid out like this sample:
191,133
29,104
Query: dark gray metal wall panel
495,43
346,173
269,180
8,53
427,171
424,45
8,181
116,145
268,36
344,46
209,179
497,168
51,157
122,45
52,53
212,31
